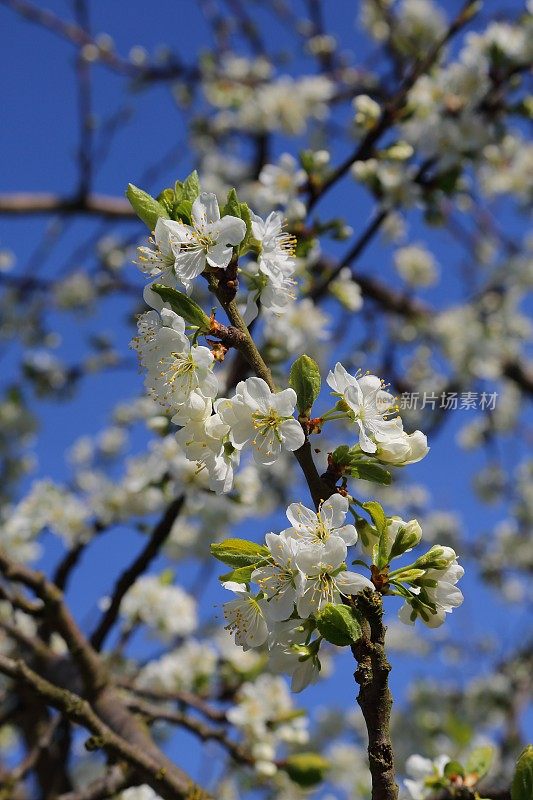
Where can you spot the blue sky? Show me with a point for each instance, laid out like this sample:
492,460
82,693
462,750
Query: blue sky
38,146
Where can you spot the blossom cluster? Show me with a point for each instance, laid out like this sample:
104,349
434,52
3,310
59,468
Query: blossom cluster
301,573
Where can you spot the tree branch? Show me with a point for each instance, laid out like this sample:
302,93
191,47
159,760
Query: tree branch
115,780
99,205
135,570
374,696
170,785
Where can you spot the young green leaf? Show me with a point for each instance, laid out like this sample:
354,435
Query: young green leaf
522,785
183,211
167,198
190,188
367,533
338,624
341,456
377,514
184,306
248,242
306,769
368,471
145,206
384,548
305,379
480,761
453,768
239,552
232,207
239,575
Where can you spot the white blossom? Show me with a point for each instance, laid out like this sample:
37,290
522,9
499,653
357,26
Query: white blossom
281,581
423,772
368,405
326,581
261,418
310,527
245,617
167,610
183,251
175,368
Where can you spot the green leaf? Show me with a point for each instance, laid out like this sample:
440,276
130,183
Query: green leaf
306,769
183,211
383,549
232,207
305,379
378,515
184,306
341,455
480,761
167,199
522,785
239,575
453,768
338,624
248,242
145,206
368,471
190,189
239,552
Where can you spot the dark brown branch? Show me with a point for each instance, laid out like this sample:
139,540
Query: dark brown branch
202,730
135,570
180,696
94,674
374,696
170,784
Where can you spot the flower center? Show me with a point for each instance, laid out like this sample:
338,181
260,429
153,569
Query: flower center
268,424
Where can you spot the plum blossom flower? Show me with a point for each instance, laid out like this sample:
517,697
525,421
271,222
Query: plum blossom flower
159,260
281,182
261,418
176,369
286,653
204,440
183,251
408,448
326,580
425,775
310,527
281,581
245,617
168,610
273,281
148,326
368,405
277,246
437,593
274,288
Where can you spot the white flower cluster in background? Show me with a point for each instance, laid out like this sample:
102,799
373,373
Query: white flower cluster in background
167,610
264,714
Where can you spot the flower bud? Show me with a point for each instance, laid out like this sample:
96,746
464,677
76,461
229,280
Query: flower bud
438,557
407,449
408,535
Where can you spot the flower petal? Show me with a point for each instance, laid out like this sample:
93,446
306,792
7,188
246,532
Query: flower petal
205,210
230,230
